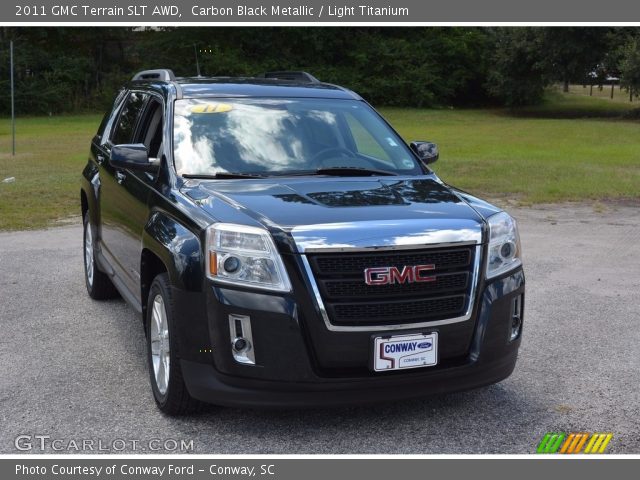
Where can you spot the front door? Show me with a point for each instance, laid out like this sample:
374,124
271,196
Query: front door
124,193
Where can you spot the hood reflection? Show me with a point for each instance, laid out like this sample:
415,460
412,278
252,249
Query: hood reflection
367,234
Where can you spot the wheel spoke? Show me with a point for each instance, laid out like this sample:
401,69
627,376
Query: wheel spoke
88,254
160,376
155,346
163,323
159,344
157,307
156,364
166,369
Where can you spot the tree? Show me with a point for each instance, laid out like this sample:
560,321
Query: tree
630,68
570,53
526,60
64,69
519,72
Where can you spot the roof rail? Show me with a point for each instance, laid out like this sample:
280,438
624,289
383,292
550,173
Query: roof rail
291,75
163,74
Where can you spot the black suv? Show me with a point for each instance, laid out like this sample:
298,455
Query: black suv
285,247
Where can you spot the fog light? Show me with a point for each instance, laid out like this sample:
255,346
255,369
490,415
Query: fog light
241,338
239,344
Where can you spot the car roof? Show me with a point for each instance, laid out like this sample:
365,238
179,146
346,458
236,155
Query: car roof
271,84
260,87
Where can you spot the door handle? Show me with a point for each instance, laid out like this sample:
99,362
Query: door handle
120,177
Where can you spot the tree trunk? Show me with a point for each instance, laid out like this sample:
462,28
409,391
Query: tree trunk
565,87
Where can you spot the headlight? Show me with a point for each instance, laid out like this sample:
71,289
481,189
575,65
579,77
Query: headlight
504,245
247,256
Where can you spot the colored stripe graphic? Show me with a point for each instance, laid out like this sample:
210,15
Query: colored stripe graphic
581,443
551,443
570,443
606,442
598,442
557,442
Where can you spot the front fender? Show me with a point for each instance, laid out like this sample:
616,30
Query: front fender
178,248
180,251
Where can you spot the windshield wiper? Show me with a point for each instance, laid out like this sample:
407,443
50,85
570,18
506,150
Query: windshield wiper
353,171
220,175
332,171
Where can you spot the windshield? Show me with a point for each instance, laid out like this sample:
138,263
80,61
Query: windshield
279,136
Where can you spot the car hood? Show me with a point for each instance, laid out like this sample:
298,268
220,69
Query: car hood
323,212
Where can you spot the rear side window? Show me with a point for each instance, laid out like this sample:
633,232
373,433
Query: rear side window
125,127
104,128
150,129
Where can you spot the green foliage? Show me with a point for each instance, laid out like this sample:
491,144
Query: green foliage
79,69
518,73
571,53
630,67
63,69
527,60
416,66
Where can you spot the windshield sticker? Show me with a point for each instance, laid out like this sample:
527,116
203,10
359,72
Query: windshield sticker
212,108
391,142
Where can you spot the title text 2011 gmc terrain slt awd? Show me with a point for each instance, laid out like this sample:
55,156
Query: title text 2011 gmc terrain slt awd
285,247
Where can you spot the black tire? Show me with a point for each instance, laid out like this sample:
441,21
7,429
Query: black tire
171,396
99,285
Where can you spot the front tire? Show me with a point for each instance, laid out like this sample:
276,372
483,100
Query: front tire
98,283
167,384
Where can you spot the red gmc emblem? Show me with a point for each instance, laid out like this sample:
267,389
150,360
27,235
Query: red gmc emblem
390,275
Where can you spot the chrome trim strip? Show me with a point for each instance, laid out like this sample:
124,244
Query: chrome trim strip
404,326
387,248
390,234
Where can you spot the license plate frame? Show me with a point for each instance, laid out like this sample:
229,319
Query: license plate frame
404,352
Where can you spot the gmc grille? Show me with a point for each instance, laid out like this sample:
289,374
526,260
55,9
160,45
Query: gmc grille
349,301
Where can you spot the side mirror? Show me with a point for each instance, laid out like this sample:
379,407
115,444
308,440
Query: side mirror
427,151
133,156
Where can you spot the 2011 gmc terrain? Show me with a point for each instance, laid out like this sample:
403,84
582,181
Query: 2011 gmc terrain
285,247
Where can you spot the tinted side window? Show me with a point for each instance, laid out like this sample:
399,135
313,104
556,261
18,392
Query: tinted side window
102,129
150,129
123,132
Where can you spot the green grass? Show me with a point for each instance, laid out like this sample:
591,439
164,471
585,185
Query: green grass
619,95
493,153
532,160
578,104
50,155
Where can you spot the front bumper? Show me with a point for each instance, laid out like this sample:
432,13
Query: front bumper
301,364
208,385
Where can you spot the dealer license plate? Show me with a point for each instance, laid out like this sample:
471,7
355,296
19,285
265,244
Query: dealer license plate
405,351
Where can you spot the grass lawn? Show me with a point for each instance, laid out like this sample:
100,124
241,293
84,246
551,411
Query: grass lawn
619,95
528,157
50,155
492,153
